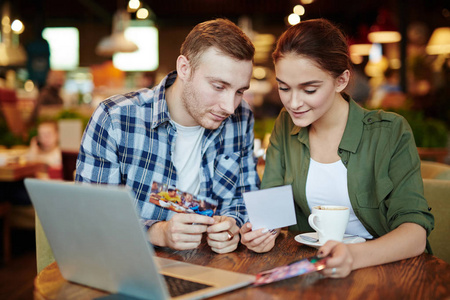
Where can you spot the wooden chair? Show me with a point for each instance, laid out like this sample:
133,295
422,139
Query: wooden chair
44,254
437,193
435,170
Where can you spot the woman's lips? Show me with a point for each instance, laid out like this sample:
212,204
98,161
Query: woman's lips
300,113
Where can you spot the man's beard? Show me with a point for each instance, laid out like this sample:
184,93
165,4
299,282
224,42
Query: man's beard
189,99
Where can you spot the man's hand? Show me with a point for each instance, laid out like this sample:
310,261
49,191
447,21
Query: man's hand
223,236
182,232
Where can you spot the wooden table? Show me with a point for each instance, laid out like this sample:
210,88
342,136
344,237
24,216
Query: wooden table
9,173
18,171
422,277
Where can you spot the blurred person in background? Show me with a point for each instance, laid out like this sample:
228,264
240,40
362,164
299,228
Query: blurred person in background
389,94
38,54
44,148
49,95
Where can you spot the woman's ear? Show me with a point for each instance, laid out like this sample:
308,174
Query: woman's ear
183,67
342,81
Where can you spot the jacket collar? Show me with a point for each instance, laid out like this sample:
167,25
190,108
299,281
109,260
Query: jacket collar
354,128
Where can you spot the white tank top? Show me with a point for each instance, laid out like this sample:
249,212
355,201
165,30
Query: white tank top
187,157
326,184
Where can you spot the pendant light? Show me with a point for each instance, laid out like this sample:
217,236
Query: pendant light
116,42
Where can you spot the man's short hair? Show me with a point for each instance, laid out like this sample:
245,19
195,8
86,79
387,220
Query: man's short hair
221,34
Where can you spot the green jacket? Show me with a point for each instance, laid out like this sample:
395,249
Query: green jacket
383,169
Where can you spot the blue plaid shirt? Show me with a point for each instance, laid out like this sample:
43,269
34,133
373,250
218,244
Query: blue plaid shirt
130,139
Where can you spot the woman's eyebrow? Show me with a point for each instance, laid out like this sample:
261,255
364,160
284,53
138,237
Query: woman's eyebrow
311,82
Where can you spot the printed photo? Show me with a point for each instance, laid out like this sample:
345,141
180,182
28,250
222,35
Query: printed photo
297,268
171,198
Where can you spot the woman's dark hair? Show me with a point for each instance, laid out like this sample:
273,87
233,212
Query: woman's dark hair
318,40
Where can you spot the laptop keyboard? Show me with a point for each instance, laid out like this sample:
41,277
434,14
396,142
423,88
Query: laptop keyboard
178,286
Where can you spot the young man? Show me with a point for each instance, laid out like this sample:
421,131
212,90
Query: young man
193,131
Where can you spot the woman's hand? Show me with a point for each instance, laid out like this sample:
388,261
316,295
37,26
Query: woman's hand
340,261
261,240
407,240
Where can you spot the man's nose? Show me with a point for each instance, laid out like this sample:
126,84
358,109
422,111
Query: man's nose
228,104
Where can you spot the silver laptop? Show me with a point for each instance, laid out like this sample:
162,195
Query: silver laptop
98,240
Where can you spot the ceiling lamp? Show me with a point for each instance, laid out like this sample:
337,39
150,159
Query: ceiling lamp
360,45
384,31
117,42
439,42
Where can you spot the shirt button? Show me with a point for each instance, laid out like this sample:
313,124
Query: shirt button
345,162
369,120
340,151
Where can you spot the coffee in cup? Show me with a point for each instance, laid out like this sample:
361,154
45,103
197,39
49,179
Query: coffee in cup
329,221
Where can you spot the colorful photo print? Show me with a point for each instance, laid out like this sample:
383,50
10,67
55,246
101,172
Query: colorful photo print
171,198
297,268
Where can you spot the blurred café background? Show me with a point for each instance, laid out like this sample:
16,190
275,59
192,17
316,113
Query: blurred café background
60,59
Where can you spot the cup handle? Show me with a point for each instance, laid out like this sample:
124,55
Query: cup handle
312,224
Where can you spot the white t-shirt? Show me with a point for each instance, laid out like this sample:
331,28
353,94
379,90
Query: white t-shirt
326,184
187,157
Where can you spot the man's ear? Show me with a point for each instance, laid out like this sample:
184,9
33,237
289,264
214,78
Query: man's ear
183,67
342,81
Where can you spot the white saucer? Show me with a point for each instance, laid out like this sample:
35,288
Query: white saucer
348,239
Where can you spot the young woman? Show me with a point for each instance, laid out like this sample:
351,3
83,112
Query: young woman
332,151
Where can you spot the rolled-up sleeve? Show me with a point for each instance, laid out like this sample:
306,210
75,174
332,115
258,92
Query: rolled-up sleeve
406,202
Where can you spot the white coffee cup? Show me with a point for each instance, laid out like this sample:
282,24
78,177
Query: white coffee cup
329,221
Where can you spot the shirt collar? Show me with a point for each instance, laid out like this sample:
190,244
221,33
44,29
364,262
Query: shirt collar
303,135
160,108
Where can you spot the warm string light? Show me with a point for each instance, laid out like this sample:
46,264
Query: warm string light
299,10
142,13
133,5
17,27
295,17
